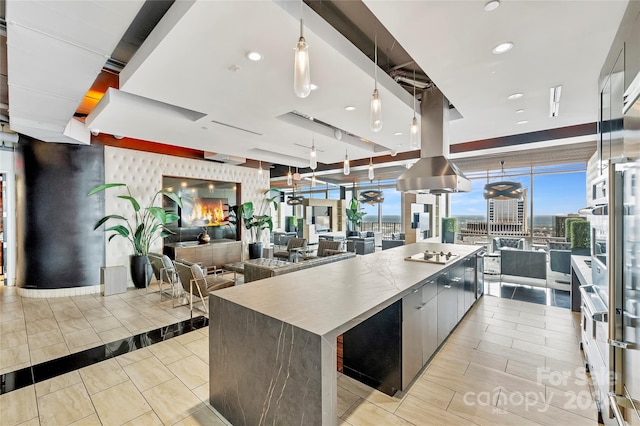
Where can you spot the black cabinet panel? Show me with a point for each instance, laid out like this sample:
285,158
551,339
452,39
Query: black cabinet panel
372,350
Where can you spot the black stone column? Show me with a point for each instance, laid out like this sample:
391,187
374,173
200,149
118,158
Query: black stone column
56,244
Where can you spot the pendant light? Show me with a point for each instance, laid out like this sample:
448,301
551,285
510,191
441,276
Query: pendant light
413,129
376,106
346,169
313,159
371,173
260,168
313,180
503,190
289,177
301,73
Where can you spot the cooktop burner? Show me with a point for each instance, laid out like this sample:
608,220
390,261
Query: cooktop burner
438,257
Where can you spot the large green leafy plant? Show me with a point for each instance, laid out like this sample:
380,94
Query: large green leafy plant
354,214
148,223
257,218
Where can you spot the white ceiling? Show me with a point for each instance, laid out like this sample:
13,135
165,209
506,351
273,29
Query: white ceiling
179,82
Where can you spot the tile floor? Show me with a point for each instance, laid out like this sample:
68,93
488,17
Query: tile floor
508,362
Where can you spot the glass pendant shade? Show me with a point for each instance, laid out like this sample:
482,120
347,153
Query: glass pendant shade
260,169
346,169
289,178
414,134
371,172
313,180
301,72
376,112
313,159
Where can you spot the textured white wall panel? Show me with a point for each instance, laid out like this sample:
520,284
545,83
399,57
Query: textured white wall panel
143,172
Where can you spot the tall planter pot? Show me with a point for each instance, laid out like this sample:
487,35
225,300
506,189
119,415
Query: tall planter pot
255,250
141,271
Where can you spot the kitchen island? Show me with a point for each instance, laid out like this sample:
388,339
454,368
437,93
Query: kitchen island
272,343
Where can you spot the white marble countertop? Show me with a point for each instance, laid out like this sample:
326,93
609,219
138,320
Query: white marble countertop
582,270
329,299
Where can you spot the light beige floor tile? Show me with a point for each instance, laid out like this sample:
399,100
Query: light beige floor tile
505,380
568,343
103,375
189,337
65,406
169,351
96,314
133,357
496,338
455,382
480,409
147,419
137,325
487,354
172,401
13,356
510,353
15,338
364,413
49,352
429,392
192,371
202,417
464,341
112,303
418,412
520,320
125,312
12,326
120,404
18,406
456,365
345,400
524,370
33,422
82,339
580,403
114,335
545,332
56,383
38,312
61,303
515,334
73,325
41,326
497,322
538,411
46,338
148,373
12,306
91,420
471,328
200,348
68,314
563,328
382,400
548,352
11,316
202,392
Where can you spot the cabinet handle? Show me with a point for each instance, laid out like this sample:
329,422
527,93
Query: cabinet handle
421,307
447,286
456,279
416,290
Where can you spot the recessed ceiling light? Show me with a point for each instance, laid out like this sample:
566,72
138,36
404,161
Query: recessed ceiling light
397,134
515,96
254,56
492,5
349,108
502,48
523,122
519,111
314,86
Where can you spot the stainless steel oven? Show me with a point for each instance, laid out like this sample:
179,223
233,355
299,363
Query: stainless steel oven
599,227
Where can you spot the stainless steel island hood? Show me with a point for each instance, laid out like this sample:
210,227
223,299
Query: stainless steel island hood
433,173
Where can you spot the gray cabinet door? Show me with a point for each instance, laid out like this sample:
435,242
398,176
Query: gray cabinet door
429,326
469,282
411,336
447,306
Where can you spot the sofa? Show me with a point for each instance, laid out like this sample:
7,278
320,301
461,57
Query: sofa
397,239
364,243
525,264
254,272
500,243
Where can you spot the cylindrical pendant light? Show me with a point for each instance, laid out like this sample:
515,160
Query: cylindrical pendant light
376,105
301,73
289,177
414,133
260,168
346,169
313,159
313,180
371,172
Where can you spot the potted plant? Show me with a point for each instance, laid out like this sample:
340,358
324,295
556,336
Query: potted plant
449,228
354,216
147,225
257,219
580,238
